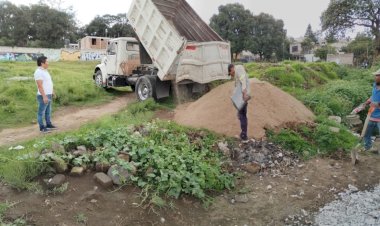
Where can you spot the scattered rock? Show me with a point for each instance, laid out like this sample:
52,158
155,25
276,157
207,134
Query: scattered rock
82,148
124,156
269,187
56,147
251,167
352,188
77,171
337,119
223,147
103,180
162,220
241,198
59,164
334,129
118,174
77,153
102,167
57,181
19,147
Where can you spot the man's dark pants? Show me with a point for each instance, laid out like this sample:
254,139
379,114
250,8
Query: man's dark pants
242,114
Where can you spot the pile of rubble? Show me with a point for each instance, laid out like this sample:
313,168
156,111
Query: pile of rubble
261,156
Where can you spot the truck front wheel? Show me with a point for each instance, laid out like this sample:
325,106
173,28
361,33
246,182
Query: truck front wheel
144,88
99,79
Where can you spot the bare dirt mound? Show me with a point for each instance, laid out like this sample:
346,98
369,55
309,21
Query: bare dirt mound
270,107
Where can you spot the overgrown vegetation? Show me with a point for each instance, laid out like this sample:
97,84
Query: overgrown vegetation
170,159
327,89
73,85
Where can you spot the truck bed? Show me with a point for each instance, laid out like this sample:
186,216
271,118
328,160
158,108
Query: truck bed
186,20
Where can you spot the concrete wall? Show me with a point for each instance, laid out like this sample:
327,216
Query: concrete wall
31,54
343,59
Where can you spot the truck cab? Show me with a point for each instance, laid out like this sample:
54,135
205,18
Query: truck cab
122,57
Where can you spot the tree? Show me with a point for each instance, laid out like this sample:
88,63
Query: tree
362,48
35,25
342,15
310,34
268,37
307,45
233,23
322,52
110,26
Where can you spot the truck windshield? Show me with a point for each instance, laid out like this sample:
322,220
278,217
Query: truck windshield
132,46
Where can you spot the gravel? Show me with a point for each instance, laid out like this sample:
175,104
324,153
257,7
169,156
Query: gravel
353,208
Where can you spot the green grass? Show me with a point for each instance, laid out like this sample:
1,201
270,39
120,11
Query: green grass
73,85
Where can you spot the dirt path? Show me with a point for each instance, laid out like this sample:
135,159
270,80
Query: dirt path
69,118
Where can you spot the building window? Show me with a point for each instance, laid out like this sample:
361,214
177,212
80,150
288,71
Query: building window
294,49
93,41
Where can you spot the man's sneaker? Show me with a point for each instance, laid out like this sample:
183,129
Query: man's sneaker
245,141
44,130
51,127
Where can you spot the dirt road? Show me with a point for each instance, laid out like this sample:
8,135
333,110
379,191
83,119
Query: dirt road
69,118
264,199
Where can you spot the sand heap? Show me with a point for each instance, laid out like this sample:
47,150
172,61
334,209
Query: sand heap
270,107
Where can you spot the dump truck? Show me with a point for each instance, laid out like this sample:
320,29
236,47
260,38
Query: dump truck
175,50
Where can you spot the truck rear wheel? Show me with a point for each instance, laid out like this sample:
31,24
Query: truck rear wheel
144,88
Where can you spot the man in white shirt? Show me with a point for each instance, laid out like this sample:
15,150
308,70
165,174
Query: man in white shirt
45,94
242,82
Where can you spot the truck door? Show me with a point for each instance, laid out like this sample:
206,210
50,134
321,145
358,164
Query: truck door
111,58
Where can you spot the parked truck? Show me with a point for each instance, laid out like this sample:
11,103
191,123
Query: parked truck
175,50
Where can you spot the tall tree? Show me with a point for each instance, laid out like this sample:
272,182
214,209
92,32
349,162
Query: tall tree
232,23
346,14
310,34
268,37
111,26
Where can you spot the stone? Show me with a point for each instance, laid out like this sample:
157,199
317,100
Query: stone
251,167
56,147
337,119
241,198
259,157
334,129
269,187
352,188
124,156
57,181
77,153
103,179
77,171
223,147
82,148
102,167
118,174
59,164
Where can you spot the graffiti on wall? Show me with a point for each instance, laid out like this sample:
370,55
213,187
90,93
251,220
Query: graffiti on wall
19,56
88,56
68,55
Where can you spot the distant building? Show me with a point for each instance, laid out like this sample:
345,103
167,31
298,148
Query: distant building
342,59
93,42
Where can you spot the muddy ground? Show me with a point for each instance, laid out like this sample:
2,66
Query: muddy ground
257,200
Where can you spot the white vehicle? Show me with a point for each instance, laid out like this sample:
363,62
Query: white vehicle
175,48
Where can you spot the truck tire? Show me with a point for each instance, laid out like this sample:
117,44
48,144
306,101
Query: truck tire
144,88
99,79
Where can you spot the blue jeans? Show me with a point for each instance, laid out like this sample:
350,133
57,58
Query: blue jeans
44,110
367,138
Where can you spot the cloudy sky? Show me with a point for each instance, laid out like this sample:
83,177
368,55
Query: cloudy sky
296,14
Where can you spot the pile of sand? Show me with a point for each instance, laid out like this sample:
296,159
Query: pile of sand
270,107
